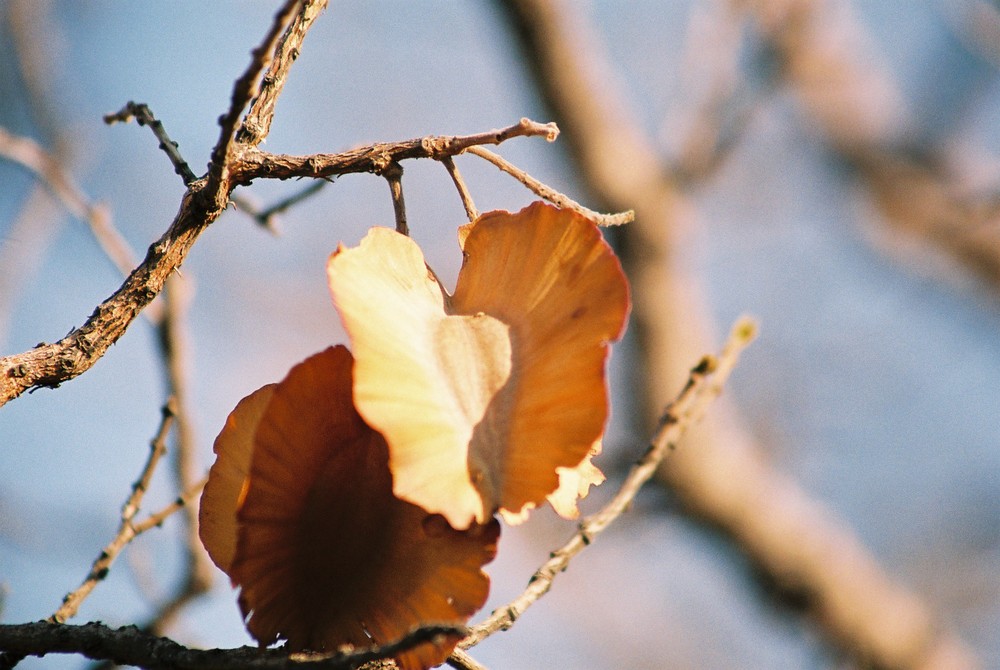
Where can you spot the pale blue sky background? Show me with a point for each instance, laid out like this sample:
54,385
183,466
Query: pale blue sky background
874,382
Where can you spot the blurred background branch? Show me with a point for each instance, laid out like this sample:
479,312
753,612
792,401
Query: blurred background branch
722,476
38,221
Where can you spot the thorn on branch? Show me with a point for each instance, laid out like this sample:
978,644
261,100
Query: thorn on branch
705,366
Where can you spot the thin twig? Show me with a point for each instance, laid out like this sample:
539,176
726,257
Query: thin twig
197,576
254,164
393,174
461,660
126,531
143,115
157,518
257,122
34,157
704,384
265,217
131,646
549,193
463,190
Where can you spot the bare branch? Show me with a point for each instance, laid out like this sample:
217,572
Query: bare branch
374,158
197,576
265,217
35,158
257,123
704,384
130,646
126,531
461,660
143,115
716,105
393,174
549,193
926,203
157,518
861,114
245,88
29,154
463,190
34,227
49,365
33,26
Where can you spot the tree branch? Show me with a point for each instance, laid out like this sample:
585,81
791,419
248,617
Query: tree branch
266,217
143,115
245,88
393,174
463,190
460,660
375,158
197,575
49,365
859,112
184,499
126,530
49,169
548,193
28,153
257,123
130,646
